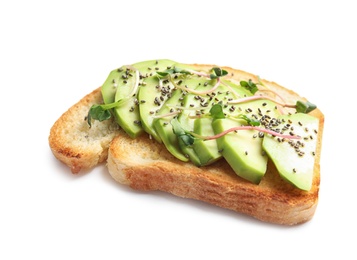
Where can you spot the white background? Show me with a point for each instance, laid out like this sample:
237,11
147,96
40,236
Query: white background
54,52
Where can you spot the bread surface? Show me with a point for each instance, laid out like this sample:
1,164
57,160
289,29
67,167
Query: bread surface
144,164
74,143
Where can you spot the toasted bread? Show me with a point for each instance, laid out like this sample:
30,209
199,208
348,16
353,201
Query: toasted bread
73,143
144,164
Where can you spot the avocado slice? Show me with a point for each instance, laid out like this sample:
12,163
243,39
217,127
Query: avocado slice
127,112
192,105
109,87
119,84
294,159
242,150
164,129
207,150
153,92
126,83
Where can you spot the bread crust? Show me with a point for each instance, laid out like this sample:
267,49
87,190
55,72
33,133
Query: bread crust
146,165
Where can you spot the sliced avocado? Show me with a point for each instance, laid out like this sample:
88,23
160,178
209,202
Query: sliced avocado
294,159
109,87
207,150
242,150
153,92
129,80
127,112
191,104
164,129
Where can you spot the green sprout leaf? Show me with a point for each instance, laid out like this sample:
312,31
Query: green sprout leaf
100,112
174,70
249,85
97,112
218,72
250,121
305,107
216,111
181,133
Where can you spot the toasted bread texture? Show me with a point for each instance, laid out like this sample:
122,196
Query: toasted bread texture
74,143
144,164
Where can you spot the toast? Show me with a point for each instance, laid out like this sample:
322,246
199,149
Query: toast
145,164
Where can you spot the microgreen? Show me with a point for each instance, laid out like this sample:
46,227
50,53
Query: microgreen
218,72
304,107
216,111
100,112
181,133
172,71
249,85
250,121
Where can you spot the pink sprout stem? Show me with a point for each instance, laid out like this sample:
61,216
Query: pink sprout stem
251,98
237,128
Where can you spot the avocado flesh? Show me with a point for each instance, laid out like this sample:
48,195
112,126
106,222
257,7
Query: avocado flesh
118,86
241,150
109,87
189,103
294,159
207,150
127,113
152,94
163,127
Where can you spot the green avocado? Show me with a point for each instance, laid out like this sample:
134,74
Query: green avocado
120,87
109,87
294,158
163,127
207,150
242,150
127,112
153,92
190,106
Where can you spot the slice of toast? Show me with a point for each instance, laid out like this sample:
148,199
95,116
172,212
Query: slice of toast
74,143
144,164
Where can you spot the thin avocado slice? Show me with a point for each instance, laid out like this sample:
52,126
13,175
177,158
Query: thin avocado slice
109,87
207,150
242,150
164,129
153,92
127,111
294,159
128,82
191,106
